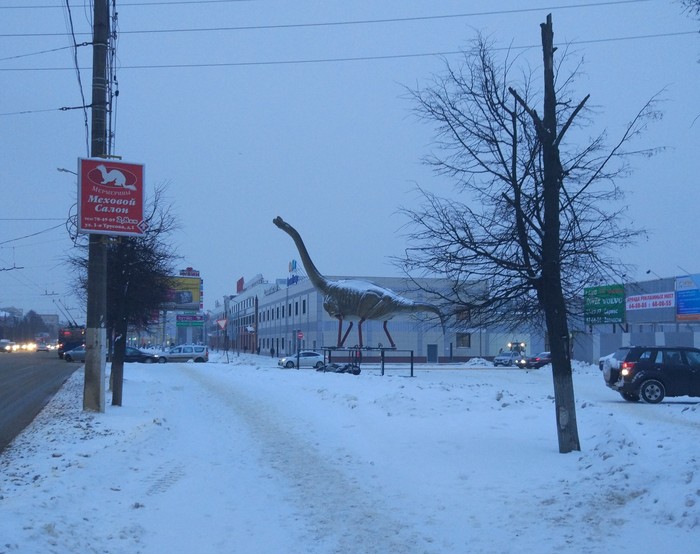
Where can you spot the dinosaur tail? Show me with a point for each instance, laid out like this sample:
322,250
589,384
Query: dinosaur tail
424,307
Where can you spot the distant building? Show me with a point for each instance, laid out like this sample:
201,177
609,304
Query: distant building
660,312
270,316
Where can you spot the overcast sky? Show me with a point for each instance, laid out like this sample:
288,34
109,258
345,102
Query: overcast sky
252,109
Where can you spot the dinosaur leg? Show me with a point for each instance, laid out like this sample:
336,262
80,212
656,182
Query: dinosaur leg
391,341
359,330
345,336
340,329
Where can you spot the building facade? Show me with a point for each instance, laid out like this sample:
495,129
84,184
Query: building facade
658,312
278,318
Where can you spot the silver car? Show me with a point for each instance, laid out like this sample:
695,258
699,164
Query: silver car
510,358
307,358
185,353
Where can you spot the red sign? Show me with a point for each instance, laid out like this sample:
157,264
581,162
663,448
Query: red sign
110,197
300,335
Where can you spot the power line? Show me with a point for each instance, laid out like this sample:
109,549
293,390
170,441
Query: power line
43,52
134,4
77,71
33,234
351,22
356,58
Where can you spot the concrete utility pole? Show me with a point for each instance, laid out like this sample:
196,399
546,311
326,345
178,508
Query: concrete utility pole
95,332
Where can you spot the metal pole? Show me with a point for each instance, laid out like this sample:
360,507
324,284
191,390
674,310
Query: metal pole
95,332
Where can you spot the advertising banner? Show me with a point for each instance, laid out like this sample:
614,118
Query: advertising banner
651,301
185,294
189,321
604,304
688,298
110,197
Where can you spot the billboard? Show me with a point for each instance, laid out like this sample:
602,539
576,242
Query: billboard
110,197
185,294
604,304
652,300
688,298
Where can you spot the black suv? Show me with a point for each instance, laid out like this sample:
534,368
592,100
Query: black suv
653,372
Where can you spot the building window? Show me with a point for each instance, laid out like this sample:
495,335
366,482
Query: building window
464,340
463,316
296,308
303,307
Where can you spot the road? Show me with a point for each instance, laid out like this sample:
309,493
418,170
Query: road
28,380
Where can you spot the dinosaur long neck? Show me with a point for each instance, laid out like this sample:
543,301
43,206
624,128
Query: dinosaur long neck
318,280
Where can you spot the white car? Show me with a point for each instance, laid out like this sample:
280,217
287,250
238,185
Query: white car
605,359
185,353
307,358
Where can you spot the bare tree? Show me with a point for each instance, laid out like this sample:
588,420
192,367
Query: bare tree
139,276
691,7
540,221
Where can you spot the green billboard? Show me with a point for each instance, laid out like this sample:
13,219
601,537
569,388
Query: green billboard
604,304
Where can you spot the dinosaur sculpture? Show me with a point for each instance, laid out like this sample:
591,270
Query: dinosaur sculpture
354,298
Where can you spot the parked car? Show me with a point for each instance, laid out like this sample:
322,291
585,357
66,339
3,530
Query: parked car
186,352
653,372
307,358
510,358
135,355
75,355
542,359
601,360
131,355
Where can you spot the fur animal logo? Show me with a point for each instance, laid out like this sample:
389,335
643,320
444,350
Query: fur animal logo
114,177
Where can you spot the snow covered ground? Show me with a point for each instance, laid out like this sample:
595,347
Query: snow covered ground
244,457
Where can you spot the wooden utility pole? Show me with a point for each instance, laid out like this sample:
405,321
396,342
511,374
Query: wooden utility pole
95,332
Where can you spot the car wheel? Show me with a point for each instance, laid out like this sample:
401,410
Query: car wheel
630,397
162,360
148,361
199,360
652,391
289,365
318,365
67,358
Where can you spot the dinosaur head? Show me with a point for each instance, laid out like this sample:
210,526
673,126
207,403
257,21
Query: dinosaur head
279,222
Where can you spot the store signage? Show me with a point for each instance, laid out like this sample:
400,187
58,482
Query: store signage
604,304
110,197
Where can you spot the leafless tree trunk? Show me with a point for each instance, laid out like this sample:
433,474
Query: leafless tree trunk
540,223
139,274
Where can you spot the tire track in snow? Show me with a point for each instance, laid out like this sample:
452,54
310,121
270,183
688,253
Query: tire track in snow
337,513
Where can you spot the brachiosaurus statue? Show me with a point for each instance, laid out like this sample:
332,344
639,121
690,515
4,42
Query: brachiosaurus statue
354,298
